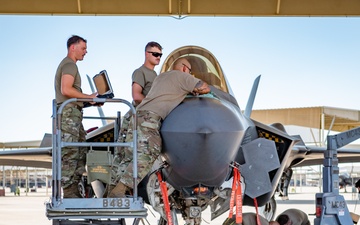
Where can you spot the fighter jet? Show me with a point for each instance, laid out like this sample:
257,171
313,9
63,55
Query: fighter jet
211,149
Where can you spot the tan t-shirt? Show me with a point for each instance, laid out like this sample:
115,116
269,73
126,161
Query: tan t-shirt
168,90
144,77
66,66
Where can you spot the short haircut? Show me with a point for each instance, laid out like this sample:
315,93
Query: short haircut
74,39
283,219
180,62
152,44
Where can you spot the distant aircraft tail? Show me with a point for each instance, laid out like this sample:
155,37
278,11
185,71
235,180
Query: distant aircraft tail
251,99
46,141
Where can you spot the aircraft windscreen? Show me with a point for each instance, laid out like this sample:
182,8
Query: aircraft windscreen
202,68
203,65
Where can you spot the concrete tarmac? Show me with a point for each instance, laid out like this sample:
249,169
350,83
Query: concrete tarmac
30,209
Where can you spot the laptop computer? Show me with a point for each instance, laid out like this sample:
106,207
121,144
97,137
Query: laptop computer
103,85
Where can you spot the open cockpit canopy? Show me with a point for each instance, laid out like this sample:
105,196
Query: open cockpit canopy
204,65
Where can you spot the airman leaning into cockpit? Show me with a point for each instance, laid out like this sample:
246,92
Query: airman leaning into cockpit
168,91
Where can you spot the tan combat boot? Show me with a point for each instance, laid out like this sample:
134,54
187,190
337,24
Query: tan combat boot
72,191
108,189
117,191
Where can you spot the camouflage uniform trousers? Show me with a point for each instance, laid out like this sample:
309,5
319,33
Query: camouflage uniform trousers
119,151
148,148
125,126
72,158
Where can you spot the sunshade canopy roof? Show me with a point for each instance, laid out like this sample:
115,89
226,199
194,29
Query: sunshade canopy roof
182,8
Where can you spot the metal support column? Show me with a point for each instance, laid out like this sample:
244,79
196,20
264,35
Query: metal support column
331,208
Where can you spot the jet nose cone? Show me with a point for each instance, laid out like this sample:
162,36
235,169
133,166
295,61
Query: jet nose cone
201,138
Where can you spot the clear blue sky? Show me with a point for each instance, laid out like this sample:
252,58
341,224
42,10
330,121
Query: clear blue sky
304,62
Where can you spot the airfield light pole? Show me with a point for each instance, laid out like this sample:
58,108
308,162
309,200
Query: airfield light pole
331,208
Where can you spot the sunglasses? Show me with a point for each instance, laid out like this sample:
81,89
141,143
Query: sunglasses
187,67
155,54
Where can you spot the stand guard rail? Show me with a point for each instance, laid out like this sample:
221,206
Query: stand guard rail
60,210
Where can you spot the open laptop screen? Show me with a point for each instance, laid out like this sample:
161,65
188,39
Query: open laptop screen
103,85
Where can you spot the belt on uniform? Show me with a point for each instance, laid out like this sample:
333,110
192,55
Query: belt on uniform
71,105
149,113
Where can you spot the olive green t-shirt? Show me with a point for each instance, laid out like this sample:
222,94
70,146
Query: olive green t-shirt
144,77
66,66
168,90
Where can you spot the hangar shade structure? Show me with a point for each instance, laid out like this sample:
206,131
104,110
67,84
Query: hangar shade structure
322,117
182,8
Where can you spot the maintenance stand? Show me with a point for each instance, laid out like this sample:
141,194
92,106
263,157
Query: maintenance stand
91,210
331,208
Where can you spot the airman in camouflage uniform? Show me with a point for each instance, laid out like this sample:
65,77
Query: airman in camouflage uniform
68,85
169,90
142,79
